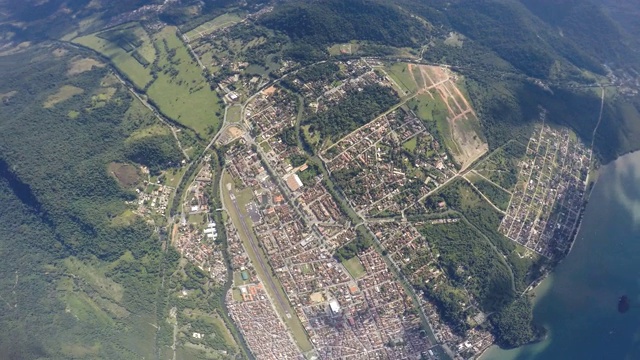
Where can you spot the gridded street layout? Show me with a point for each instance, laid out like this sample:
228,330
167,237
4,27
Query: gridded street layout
545,207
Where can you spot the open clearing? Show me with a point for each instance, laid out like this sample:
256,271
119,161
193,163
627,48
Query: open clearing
456,120
218,23
127,175
133,47
181,92
78,66
401,73
106,287
7,95
234,114
59,52
354,267
64,93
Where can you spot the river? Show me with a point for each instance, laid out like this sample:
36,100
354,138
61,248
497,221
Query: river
578,302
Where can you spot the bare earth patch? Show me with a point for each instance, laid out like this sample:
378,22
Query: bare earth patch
7,96
78,66
230,134
64,93
269,91
60,52
11,49
127,175
463,123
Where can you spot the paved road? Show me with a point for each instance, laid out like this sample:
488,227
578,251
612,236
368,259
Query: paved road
265,268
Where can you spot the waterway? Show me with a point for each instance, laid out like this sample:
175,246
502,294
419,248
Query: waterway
578,302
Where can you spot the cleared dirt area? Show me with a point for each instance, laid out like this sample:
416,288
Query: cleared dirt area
64,93
269,91
463,125
127,175
231,133
8,95
78,66
60,52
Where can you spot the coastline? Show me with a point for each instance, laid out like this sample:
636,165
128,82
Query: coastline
535,284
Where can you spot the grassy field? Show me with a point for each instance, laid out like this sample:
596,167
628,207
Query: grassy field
234,114
181,91
501,166
401,75
411,144
342,49
498,196
220,22
430,107
66,92
123,59
354,267
294,324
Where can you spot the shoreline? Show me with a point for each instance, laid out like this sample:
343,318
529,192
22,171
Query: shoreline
532,288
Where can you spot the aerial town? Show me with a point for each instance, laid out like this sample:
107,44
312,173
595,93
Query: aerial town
196,234
379,153
545,208
343,276
340,311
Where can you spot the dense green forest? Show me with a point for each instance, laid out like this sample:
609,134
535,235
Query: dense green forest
587,24
355,110
335,21
88,282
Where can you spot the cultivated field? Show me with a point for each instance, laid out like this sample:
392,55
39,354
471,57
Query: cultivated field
128,47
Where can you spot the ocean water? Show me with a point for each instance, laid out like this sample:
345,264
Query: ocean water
578,302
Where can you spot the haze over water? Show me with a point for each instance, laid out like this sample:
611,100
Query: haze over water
578,303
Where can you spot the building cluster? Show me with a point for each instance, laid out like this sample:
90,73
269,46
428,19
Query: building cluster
546,205
197,200
368,317
333,96
252,310
410,252
265,334
396,163
196,234
351,69
271,113
154,199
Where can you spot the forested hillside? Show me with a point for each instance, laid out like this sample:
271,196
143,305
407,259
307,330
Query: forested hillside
589,26
332,21
81,276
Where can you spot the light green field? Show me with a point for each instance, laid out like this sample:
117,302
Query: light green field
220,22
153,130
234,114
66,92
354,267
340,49
265,146
181,91
400,73
124,61
411,144
434,109
95,278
